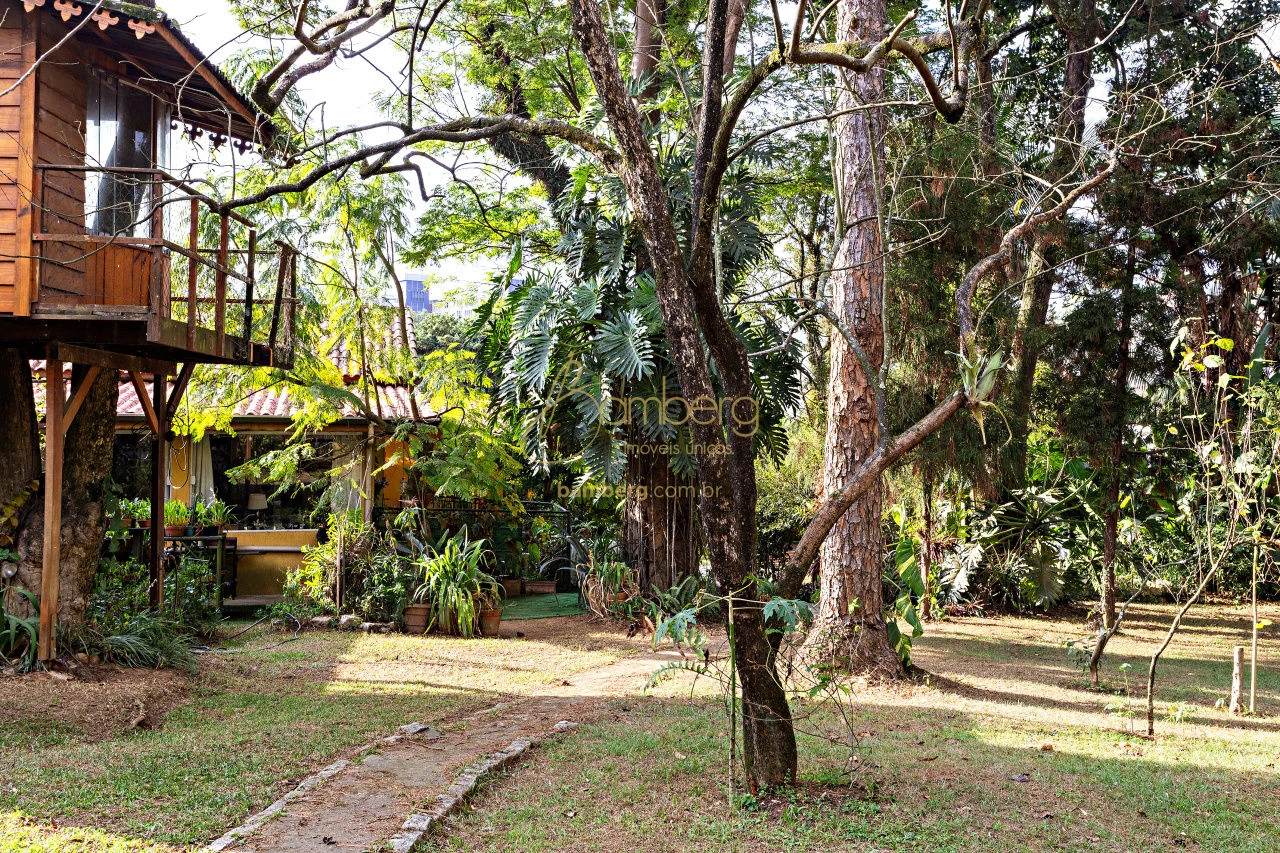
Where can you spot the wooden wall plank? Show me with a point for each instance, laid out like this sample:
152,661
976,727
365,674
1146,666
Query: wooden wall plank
26,270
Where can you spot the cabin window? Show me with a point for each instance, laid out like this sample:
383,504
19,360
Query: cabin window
120,137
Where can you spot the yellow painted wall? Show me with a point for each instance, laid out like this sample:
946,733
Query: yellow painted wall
395,473
263,574
180,469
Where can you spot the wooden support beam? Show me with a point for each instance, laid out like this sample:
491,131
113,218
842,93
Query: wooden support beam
51,555
179,389
159,474
111,360
153,419
78,395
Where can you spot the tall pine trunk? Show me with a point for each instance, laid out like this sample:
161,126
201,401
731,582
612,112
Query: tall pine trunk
850,629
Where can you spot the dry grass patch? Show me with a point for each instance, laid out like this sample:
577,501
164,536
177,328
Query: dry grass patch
254,721
1001,747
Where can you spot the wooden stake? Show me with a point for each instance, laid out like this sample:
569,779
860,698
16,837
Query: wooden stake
159,468
1237,678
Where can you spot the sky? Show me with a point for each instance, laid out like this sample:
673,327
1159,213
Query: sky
346,98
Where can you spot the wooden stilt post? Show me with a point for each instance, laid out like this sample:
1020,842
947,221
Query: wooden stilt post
51,558
159,473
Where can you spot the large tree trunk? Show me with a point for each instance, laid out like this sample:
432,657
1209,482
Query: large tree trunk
659,525
693,319
86,467
850,627
20,461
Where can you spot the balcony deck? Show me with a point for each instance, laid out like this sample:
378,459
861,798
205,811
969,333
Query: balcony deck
166,296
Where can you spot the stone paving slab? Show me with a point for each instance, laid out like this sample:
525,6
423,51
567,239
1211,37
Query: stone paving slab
398,788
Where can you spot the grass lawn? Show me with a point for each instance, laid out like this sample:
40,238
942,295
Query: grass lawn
213,748
1004,748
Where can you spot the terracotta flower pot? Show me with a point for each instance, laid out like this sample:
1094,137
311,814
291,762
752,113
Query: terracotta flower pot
511,587
539,587
416,617
489,622
175,530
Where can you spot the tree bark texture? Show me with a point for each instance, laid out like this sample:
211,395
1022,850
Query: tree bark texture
659,526
20,461
690,310
87,464
850,629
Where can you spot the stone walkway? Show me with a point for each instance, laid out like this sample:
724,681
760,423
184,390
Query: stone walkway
388,798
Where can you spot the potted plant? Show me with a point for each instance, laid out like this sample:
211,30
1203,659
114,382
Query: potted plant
490,604
142,512
126,513
454,585
199,521
176,517
217,516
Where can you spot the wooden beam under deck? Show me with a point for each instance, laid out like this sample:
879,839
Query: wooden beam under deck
125,333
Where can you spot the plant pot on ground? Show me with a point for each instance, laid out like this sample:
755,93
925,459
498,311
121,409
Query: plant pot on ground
539,587
416,618
511,587
454,585
490,620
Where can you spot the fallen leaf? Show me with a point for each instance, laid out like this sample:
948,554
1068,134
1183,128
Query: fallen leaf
571,813
1046,747
1021,777
679,755
930,758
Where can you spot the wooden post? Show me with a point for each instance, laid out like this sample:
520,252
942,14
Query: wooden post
193,273
51,557
159,472
220,295
248,292
1237,679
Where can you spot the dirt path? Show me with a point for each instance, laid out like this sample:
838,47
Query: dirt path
359,805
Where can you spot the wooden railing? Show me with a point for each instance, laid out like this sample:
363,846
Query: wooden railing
173,256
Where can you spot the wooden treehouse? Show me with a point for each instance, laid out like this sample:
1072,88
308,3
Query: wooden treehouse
106,258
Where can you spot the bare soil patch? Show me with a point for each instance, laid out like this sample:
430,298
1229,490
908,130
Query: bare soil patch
102,703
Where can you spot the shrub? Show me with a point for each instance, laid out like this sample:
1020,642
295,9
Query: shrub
18,636
141,639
